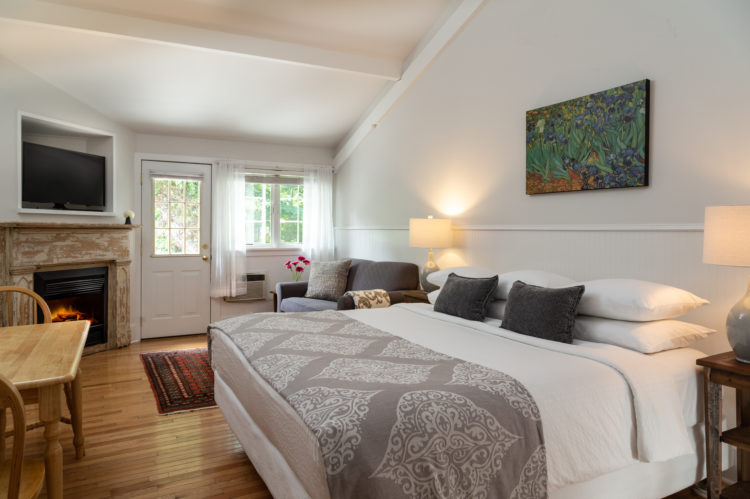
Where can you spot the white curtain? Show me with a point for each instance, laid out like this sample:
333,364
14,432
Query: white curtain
228,261
317,226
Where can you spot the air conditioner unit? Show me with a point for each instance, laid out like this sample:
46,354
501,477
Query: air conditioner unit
256,288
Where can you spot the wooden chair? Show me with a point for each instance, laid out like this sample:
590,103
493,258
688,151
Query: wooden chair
19,478
23,317
27,315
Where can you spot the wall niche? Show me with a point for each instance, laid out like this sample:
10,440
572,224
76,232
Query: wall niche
40,130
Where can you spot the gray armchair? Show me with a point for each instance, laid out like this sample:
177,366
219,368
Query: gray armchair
394,277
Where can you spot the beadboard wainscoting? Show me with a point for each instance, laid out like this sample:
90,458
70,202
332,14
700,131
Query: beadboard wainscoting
671,254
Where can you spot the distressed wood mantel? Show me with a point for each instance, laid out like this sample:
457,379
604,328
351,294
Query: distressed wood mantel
28,247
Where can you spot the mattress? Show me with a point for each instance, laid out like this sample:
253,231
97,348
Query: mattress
588,410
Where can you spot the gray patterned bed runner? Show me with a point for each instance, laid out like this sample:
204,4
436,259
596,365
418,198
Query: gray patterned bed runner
393,418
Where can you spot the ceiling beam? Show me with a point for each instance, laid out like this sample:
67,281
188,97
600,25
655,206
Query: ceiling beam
104,23
429,48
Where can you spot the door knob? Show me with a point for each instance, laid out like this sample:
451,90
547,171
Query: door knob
204,258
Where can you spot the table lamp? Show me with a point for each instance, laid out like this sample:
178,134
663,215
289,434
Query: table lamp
726,241
429,233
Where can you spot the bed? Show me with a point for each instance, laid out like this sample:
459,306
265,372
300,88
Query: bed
616,423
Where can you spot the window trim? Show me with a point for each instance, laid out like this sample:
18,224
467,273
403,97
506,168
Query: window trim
275,181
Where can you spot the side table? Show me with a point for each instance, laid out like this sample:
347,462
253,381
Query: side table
725,370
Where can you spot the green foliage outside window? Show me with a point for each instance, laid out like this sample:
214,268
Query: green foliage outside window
263,214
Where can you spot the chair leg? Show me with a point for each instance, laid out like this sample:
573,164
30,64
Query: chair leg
2,435
75,406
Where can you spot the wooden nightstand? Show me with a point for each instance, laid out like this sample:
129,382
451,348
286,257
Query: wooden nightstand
415,296
724,370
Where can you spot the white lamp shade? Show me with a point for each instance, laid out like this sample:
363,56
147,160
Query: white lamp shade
726,235
430,233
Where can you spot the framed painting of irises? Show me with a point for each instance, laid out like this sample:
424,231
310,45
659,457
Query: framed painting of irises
599,141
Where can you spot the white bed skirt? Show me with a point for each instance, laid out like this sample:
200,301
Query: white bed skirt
639,481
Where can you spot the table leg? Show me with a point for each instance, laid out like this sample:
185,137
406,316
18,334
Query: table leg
76,416
712,399
50,398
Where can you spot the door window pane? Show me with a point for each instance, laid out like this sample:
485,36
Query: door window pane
177,220
192,191
177,190
161,241
161,215
161,190
177,241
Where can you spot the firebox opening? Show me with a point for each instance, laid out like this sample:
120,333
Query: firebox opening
77,294
77,308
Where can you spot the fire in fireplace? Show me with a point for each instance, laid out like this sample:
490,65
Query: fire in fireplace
77,294
69,310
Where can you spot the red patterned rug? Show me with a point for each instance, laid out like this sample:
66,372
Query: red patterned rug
182,380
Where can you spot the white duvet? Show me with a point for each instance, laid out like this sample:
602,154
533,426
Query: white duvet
603,407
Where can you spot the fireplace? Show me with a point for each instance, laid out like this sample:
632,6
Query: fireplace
77,294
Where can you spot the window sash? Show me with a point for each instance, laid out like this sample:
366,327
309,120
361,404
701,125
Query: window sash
275,181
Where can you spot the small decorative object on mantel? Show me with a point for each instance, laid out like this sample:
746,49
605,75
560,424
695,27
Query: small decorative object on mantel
429,233
599,141
129,215
726,241
296,266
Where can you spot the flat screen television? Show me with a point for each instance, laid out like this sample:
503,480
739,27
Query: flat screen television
61,179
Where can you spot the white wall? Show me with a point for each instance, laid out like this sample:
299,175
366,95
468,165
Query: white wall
270,262
454,144
20,90
231,149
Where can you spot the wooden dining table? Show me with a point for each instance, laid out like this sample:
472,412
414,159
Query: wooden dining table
45,357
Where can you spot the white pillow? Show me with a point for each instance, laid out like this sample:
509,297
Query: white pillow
634,300
432,296
534,277
644,337
438,278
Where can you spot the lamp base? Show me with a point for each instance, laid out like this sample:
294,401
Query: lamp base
738,328
428,269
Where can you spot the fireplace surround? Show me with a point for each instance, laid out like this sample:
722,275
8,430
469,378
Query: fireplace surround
28,249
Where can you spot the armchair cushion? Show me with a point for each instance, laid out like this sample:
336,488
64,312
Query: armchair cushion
391,276
301,304
289,290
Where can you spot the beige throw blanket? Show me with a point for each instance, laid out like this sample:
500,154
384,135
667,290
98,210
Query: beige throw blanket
371,298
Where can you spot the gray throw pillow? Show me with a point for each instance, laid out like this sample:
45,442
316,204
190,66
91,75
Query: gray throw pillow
547,313
327,280
466,297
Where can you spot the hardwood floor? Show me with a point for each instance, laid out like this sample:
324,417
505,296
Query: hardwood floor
132,451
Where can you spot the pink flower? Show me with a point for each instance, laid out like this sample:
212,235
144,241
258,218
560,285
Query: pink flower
301,258
300,269
307,262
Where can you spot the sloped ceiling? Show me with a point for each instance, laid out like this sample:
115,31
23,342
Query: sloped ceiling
287,71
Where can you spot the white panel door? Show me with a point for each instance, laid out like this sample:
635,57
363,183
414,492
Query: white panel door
175,280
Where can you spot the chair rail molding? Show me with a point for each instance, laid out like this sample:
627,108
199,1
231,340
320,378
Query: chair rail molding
696,227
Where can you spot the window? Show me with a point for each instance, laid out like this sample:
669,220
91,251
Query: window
273,211
177,216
